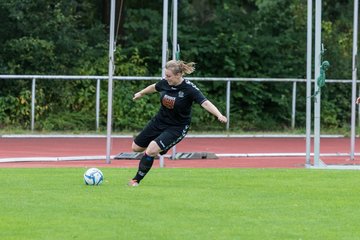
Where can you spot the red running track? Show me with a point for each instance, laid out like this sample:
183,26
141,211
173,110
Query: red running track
76,147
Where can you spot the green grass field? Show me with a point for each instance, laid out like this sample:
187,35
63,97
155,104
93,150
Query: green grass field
180,204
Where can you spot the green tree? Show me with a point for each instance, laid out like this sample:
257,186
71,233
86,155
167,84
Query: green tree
231,38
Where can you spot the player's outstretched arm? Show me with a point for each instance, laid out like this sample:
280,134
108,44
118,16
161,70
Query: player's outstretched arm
211,108
147,90
358,100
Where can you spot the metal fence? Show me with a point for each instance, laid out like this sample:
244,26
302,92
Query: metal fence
228,81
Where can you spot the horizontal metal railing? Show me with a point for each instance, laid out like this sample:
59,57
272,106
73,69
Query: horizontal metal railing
228,80
224,79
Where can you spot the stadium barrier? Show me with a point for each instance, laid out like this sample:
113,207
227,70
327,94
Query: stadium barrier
228,81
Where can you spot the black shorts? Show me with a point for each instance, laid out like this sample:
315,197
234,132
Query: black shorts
166,136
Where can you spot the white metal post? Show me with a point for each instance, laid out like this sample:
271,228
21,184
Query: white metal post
354,77
97,110
293,113
164,53
358,108
164,37
228,86
33,89
308,80
317,74
174,50
175,26
110,85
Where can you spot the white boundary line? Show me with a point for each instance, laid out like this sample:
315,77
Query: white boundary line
60,136
282,154
242,155
52,159
188,136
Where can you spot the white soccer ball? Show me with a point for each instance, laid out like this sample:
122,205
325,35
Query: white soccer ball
93,176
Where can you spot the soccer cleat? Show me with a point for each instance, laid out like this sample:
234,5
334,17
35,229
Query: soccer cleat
133,183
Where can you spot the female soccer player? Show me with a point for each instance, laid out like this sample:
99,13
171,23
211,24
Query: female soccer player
172,122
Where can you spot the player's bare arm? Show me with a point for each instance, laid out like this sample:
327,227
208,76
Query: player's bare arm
211,108
147,90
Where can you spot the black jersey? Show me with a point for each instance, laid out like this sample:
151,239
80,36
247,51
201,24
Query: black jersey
176,102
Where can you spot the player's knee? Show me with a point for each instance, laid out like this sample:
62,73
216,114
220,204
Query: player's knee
153,149
137,148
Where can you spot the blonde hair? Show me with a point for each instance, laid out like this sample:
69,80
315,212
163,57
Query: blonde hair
178,66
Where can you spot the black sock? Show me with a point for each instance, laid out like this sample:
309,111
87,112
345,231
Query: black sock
145,165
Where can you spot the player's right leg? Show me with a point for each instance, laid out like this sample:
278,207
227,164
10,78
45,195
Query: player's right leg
137,148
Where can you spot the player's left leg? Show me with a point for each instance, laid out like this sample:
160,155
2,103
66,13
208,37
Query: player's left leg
171,137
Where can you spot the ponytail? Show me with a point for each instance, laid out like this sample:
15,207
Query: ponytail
178,66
